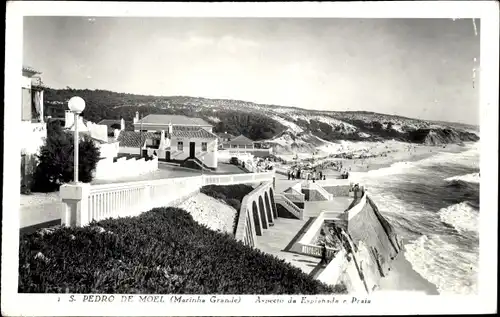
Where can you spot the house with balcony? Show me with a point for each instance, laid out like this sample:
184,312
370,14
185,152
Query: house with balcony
186,141
33,126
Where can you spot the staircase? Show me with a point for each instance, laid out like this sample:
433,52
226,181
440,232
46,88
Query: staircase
289,205
323,192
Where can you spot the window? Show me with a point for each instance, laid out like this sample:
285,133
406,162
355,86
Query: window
204,146
180,146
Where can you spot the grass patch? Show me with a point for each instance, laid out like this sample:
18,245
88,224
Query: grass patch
231,195
163,251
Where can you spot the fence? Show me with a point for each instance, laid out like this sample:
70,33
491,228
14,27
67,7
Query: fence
85,203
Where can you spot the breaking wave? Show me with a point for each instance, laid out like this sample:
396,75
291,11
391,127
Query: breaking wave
431,258
462,216
467,178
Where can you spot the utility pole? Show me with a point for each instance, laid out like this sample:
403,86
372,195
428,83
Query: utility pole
140,142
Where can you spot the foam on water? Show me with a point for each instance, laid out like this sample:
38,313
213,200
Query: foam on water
461,216
431,258
468,178
431,208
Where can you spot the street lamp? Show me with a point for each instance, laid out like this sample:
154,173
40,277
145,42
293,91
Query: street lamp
76,105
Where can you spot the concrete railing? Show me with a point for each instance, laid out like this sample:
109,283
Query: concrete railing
314,186
357,208
289,205
238,178
84,203
245,230
317,251
334,182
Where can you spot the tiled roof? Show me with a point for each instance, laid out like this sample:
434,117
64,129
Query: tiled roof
174,119
133,139
30,70
201,134
241,140
225,135
109,122
86,133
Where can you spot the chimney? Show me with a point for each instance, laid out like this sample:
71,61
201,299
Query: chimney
136,118
122,124
69,119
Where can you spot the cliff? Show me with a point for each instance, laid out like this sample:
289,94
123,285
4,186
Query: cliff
436,136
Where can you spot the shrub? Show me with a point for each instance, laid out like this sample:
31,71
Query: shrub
55,161
162,251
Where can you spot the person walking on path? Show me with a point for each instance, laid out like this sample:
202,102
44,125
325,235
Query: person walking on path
289,174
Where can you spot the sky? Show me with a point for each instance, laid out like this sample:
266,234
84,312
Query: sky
419,68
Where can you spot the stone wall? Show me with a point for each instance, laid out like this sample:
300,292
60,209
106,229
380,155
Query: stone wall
338,191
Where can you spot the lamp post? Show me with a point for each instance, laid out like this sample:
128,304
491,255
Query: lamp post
76,105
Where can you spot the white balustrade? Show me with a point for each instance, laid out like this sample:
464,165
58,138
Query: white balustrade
85,203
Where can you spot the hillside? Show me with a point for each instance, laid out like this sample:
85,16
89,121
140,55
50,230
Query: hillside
286,127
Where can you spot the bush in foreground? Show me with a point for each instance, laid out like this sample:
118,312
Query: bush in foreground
231,195
163,251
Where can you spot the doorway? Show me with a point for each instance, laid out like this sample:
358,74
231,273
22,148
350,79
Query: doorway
192,149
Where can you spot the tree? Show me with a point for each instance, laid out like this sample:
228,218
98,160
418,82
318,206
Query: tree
56,159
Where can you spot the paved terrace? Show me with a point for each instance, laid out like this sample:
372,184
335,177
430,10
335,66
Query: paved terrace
281,240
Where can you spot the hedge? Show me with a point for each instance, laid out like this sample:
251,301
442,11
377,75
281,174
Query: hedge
231,195
163,251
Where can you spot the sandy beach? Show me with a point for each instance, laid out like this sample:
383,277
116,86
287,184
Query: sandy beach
376,155
403,277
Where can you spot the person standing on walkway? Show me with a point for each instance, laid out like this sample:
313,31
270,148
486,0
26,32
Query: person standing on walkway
289,174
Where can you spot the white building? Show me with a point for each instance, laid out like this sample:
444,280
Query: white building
173,138
33,126
159,122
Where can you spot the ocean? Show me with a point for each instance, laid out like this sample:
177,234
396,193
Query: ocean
434,206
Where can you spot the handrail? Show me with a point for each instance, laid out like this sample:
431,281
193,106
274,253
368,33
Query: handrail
133,198
323,191
294,209
245,233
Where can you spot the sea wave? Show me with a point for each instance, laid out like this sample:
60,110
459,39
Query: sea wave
467,178
463,217
453,270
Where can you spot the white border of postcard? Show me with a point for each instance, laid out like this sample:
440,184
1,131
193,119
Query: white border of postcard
14,304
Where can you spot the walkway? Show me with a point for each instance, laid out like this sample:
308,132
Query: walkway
169,171
276,239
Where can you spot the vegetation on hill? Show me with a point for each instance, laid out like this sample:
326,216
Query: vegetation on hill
257,121
163,251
